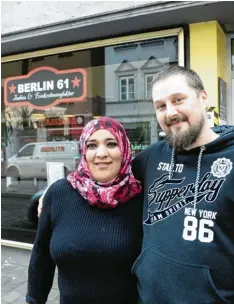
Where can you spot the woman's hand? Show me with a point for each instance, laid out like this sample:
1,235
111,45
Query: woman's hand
39,208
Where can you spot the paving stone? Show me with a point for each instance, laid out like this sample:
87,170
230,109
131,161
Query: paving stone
5,280
22,288
14,277
11,296
53,294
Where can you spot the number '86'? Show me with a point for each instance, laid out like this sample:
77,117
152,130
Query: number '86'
194,228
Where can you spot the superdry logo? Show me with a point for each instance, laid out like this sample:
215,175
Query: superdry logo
221,167
161,203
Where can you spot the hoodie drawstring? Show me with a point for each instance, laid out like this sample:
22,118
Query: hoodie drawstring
172,163
198,176
202,149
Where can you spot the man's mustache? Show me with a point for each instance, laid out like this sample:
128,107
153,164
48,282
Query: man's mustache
176,119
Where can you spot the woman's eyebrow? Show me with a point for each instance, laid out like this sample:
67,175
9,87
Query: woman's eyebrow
111,138
90,140
94,140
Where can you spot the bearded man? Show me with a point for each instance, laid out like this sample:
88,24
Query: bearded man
188,246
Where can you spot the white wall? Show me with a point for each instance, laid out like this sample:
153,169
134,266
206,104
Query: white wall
21,15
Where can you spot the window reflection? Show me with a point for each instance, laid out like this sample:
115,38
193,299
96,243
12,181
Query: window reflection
119,82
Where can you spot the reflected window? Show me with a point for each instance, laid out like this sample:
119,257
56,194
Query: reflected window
148,85
127,88
27,151
119,83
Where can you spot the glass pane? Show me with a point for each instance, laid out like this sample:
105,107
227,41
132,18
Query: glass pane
149,93
131,88
124,96
149,79
123,82
123,89
131,96
115,74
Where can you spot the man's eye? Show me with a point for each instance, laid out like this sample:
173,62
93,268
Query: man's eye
179,99
91,146
161,107
112,144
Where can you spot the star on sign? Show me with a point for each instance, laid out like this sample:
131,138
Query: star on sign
12,88
76,82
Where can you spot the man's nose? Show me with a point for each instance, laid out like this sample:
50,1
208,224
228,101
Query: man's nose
102,151
171,111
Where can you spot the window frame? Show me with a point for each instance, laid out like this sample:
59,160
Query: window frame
127,78
145,84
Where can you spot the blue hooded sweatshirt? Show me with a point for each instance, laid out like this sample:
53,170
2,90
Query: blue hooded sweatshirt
188,246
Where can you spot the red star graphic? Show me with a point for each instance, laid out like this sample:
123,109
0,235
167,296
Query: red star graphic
76,82
12,89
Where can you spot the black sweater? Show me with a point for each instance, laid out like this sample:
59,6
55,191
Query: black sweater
93,249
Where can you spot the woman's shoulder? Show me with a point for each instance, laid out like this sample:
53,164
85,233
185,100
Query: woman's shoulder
62,194
63,182
60,186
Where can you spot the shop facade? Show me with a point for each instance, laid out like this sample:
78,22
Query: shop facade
56,78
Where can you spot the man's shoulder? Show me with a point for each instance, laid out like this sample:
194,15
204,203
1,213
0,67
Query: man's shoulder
153,148
141,160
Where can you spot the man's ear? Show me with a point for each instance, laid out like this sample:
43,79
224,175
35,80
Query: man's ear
203,98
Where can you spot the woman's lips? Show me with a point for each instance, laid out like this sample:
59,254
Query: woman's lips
103,165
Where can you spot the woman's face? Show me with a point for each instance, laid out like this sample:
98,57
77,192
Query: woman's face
103,156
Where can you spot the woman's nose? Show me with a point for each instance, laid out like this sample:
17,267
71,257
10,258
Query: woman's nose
102,151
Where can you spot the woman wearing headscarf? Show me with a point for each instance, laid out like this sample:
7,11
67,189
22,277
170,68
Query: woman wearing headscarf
90,226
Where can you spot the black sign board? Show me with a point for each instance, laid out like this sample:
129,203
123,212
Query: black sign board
45,87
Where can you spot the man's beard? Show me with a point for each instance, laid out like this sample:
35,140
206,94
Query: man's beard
180,140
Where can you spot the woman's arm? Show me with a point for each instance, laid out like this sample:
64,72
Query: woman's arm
42,267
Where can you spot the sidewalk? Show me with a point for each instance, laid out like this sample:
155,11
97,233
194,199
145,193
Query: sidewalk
14,277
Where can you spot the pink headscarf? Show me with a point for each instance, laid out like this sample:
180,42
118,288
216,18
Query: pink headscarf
117,191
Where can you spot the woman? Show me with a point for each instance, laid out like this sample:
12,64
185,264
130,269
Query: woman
90,226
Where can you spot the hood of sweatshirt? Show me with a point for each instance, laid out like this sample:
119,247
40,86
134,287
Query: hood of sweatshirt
224,141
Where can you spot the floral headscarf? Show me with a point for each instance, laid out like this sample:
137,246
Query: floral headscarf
117,191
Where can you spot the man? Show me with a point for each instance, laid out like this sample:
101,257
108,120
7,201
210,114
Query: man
188,247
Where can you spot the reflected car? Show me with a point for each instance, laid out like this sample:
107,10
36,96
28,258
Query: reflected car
37,154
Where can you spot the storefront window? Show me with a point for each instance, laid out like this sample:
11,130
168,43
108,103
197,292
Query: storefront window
49,99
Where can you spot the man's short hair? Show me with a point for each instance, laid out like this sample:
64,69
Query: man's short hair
194,81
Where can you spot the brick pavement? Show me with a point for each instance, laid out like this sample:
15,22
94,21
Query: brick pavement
14,277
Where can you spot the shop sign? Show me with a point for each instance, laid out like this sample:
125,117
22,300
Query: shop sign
45,87
52,149
76,121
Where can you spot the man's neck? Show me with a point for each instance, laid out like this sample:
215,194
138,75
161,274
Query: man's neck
204,138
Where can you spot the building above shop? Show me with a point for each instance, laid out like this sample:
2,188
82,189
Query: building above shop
112,22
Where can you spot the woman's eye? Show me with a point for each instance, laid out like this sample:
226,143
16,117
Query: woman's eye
112,144
91,146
